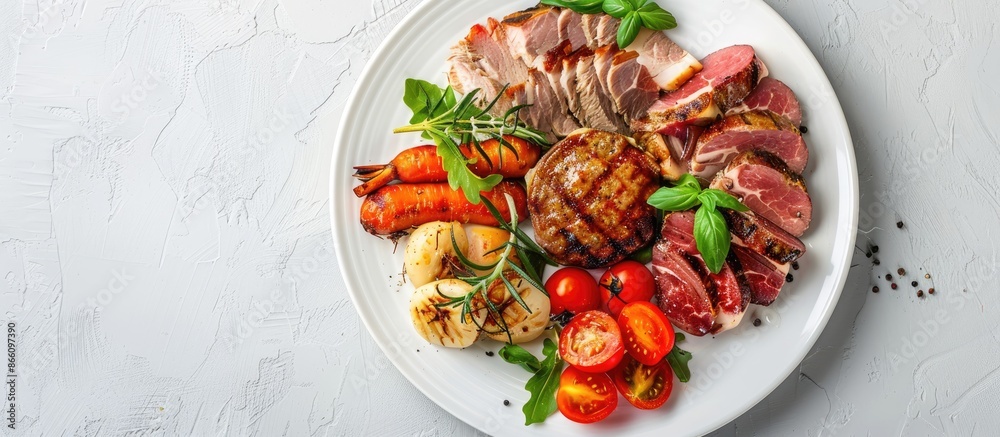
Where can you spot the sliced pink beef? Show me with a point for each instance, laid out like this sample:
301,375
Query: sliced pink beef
532,32
772,95
694,299
726,78
764,277
630,85
754,130
669,65
763,237
769,188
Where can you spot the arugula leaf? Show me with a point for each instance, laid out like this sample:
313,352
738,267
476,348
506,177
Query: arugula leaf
656,18
722,199
618,9
678,359
457,166
543,386
711,235
427,100
579,6
679,198
515,354
629,29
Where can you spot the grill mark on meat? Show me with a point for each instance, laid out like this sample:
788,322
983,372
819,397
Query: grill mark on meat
763,237
587,199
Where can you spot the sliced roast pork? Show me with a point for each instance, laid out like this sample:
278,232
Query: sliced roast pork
547,112
532,32
772,95
669,65
694,299
597,109
727,77
630,85
571,29
768,187
754,130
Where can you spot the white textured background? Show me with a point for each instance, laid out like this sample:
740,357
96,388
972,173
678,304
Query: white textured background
165,247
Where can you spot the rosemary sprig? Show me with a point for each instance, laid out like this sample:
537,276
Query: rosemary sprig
450,123
503,271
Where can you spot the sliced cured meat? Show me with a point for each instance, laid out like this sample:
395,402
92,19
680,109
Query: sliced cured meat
694,299
587,199
768,187
669,65
754,130
630,85
761,236
764,277
772,95
726,78
532,32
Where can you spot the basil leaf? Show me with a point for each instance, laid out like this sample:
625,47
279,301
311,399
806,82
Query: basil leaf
711,235
515,354
579,6
543,386
722,199
618,9
688,180
678,359
680,198
656,18
629,29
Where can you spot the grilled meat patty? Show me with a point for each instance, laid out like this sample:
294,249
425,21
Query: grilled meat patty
587,199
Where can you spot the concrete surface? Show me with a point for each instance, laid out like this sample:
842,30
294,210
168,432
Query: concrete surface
167,259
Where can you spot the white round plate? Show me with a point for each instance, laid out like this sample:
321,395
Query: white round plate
732,372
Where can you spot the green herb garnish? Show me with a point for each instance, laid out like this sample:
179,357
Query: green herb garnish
543,384
678,359
710,230
450,122
519,245
633,14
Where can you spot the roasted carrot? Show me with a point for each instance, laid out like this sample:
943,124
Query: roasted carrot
422,164
399,207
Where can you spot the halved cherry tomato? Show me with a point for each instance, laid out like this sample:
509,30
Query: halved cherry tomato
625,282
646,331
585,397
646,387
573,289
592,342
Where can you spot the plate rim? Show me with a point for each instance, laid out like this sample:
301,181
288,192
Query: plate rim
354,291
